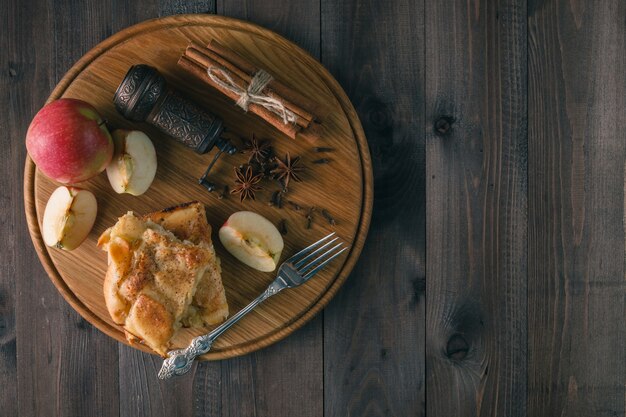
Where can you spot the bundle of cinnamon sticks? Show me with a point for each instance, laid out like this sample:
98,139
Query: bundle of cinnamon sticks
236,73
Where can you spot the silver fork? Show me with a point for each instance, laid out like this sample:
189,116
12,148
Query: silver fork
293,272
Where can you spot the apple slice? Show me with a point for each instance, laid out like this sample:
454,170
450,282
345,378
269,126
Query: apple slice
134,162
68,217
253,240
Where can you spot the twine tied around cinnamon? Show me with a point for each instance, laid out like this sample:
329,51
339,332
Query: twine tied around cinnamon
252,95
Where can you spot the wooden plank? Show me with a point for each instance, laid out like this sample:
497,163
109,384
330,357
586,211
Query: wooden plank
577,289
284,379
298,21
374,329
476,164
86,378
65,366
11,168
37,304
141,392
170,7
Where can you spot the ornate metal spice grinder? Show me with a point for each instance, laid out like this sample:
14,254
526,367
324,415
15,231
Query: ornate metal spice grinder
144,96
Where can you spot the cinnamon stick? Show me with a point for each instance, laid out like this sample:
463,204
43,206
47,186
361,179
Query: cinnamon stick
220,60
199,71
208,59
281,89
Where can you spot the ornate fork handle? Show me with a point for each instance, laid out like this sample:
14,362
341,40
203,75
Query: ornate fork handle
179,361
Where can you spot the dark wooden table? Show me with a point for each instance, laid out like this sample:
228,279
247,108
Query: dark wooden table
492,282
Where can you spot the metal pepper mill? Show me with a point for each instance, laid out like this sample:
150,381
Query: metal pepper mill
144,96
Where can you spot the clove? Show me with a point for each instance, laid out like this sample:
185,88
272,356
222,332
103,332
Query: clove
282,227
276,199
224,193
309,217
294,206
328,217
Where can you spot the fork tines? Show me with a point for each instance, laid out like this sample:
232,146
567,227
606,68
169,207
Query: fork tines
310,260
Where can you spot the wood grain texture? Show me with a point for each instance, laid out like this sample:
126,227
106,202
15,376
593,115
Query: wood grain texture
298,21
476,199
374,329
141,392
249,385
11,220
170,7
577,149
282,380
66,367
525,279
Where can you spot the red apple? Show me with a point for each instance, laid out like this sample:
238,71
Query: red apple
68,141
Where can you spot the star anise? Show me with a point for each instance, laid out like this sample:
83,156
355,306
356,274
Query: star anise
257,150
287,169
246,183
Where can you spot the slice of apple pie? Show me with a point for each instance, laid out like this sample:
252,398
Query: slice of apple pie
163,274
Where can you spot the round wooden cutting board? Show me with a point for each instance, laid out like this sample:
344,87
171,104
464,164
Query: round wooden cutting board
343,187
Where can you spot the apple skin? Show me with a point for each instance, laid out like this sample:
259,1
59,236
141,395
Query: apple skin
253,240
68,141
68,218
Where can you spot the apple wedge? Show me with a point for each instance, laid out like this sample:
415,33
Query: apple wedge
253,240
68,217
134,162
